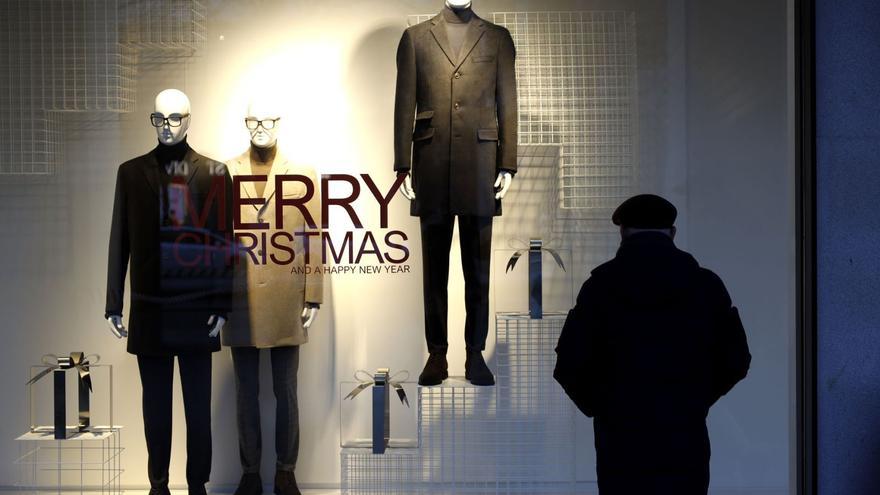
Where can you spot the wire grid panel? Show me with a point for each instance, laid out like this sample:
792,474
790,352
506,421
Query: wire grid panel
87,461
577,87
538,418
167,25
84,67
396,472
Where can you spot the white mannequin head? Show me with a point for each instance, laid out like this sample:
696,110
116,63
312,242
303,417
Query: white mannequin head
169,104
458,4
262,122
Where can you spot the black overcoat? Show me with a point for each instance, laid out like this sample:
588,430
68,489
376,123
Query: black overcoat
455,116
651,344
180,264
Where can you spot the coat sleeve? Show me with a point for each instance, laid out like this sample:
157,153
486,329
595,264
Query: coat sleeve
314,293
505,94
577,351
731,357
119,251
404,103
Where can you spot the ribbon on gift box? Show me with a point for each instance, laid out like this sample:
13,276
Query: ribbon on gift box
369,382
58,365
535,248
380,382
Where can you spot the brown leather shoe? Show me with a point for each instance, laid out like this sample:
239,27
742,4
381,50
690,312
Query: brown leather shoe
250,484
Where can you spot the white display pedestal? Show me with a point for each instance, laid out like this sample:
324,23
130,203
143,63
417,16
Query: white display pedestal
515,437
88,461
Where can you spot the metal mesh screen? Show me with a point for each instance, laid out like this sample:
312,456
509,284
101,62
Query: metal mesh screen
168,25
576,73
516,437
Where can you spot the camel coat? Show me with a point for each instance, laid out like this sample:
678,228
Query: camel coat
271,286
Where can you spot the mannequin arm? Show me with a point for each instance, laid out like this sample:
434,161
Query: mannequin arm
502,183
216,322
309,313
116,326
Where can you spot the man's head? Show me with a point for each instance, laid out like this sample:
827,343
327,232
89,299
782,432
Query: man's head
171,113
645,213
262,122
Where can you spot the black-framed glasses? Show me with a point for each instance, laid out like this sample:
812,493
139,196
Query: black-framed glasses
252,124
173,120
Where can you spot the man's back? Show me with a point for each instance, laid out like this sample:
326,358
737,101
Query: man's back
652,343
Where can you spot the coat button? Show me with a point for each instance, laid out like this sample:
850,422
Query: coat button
458,75
457,105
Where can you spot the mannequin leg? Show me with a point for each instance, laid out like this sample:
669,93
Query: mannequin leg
285,364
246,362
475,237
436,241
157,375
195,380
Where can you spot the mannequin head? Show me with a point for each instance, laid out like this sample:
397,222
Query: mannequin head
458,4
262,122
171,112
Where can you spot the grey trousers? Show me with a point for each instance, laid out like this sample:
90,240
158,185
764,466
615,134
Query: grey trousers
285,363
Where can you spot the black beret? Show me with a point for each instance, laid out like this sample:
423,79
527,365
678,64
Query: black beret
645,211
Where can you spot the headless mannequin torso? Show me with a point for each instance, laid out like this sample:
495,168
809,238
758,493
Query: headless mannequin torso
461,11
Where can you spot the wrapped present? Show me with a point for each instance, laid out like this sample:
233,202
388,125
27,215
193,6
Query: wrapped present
535,250
58,367
382,382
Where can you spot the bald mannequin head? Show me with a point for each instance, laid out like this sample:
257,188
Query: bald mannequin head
262,122
172,103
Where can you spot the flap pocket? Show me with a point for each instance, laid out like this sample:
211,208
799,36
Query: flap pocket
422,134
427,114
484,58
487,134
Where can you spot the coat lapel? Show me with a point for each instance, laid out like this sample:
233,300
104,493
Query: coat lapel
192,164
242,166
439,32
475,31
279,167
150,169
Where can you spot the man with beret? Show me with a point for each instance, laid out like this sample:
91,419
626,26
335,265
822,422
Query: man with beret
652,343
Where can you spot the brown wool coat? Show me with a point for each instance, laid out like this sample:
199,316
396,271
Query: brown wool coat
268,297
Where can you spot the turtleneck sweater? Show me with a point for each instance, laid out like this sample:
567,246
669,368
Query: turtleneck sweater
166,154
456,27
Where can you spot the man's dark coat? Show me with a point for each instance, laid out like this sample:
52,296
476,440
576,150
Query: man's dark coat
464,104
172,295
651,344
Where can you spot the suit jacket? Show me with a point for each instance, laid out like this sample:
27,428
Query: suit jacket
651,344
176,250
269,294
465,126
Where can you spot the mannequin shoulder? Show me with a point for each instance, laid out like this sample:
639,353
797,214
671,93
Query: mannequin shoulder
133,163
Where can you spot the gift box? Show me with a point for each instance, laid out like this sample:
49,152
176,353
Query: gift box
71,383
383,421
537,273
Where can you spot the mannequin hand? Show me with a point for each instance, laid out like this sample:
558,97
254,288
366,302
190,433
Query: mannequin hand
216,323
407,188
117,327
502,184
308,316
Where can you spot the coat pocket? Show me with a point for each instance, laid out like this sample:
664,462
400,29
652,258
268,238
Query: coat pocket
423,129
487,134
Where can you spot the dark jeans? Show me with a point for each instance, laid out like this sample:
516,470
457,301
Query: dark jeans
285,362
157,381
475,239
